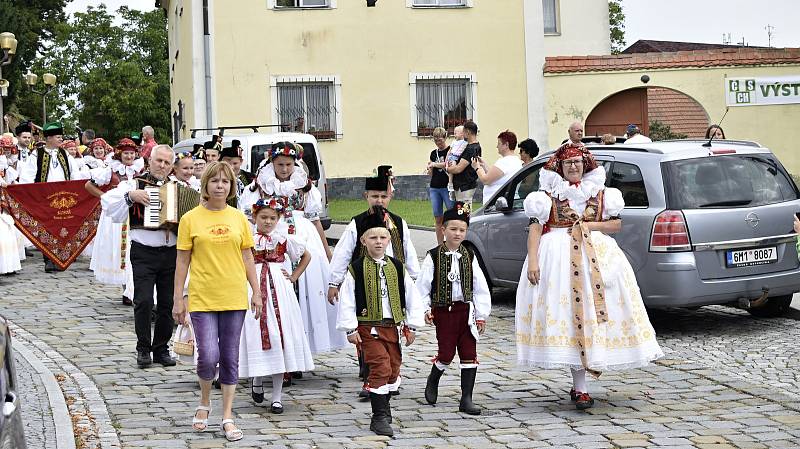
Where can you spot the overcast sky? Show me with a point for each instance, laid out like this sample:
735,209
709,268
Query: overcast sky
672,20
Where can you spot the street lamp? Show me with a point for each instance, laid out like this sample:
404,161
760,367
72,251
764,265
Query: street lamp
8,44
49,81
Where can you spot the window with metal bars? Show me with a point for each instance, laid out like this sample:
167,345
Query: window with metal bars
442,102
308,108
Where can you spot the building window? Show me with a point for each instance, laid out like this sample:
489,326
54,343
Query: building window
445,100
302,4
309,105
438,3
550,16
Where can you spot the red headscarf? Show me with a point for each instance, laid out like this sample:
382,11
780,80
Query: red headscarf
99,142
570,150
124,144
70,144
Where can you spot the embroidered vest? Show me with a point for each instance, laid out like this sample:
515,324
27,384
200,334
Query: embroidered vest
276,255
396,233
43,160
136,211
369,305
441,286
560,211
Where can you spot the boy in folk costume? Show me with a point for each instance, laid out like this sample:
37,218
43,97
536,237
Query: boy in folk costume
377,296
378,193
458,300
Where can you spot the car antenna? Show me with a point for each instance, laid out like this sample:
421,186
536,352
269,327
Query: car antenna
708,144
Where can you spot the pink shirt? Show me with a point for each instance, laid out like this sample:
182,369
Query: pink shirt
147,147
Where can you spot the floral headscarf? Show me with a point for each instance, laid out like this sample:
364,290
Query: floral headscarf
570,150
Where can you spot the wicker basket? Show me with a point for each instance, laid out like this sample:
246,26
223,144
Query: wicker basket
183,345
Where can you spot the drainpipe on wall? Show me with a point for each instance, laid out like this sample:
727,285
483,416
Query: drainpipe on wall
207,64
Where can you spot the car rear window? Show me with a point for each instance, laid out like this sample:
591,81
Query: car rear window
309,157
727,181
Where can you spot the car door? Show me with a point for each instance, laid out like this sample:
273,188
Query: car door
11,430
508,233
636,218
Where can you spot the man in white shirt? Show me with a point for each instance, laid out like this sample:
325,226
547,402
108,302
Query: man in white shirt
24,139
635,136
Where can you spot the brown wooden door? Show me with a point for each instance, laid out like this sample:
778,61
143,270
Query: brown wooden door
616,112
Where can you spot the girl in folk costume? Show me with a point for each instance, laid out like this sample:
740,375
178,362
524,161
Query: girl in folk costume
98,149
111,251
282,176
10,249
276,343
578,304
183,171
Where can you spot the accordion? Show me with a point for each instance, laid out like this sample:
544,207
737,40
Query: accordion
167,204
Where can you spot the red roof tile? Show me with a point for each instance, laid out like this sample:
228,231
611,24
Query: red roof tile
744,56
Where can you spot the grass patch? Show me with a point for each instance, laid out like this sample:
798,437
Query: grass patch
414,212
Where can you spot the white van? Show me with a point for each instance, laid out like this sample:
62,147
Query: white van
256,144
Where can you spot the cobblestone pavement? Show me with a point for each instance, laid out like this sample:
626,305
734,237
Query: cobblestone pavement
728,381
37,416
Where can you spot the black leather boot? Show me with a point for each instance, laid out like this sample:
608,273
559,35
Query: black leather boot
467,385
380,415
143,359
432,387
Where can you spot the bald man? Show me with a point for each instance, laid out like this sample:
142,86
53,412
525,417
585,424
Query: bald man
575,132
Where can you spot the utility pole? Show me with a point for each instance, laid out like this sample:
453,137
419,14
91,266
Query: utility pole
769,29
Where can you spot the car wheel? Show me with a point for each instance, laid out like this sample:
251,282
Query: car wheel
776,306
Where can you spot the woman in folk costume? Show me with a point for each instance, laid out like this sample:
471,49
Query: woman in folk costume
284,177
10,250
111,251
275,344
98,149
578,304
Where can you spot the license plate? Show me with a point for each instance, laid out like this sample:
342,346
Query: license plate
750,257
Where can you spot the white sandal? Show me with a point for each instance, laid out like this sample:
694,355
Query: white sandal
231,435
203,422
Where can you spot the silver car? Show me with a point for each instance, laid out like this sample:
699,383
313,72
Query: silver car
12,433
702,224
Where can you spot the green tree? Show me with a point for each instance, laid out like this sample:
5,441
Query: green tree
662,131
616,23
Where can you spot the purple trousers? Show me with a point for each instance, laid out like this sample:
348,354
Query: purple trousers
216,336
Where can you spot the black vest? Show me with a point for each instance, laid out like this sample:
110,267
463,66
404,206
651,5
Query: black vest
441,289
43,164
397,237
357,271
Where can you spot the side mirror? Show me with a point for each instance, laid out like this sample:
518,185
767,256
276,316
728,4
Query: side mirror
501,204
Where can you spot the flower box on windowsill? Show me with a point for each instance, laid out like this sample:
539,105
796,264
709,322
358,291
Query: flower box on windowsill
323,135
423,131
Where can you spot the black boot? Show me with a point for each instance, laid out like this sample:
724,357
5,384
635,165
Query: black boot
432,387
380,415
389,407
467,385
49,266
143,359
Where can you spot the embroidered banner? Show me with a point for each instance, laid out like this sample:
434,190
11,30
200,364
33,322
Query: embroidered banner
59,218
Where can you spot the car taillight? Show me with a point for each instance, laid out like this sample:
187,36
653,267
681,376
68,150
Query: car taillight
670,233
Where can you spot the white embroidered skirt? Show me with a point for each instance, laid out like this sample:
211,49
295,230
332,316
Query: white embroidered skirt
107,252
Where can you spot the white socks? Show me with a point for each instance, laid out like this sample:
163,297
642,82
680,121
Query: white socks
440,366
579,380
277,386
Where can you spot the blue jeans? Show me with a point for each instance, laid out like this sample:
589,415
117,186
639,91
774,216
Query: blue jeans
216,337
439,196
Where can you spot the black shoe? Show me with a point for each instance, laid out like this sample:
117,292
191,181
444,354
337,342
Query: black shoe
28,252
143,359
164,359
49,266
126,301
256,392
380,415
297,375
583,401
432,387
467,385
287,380
276,408
363,395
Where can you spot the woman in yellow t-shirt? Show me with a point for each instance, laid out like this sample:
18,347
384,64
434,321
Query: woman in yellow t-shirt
215,240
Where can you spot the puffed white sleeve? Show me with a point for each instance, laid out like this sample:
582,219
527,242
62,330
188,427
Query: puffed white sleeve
313,207
415,310
11,175
27,170
410,253
100,175
346,319
424,281
481,295
613,203
295,248
78,169
537,205
113,202
342,253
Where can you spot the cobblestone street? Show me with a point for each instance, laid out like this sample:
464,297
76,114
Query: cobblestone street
728,380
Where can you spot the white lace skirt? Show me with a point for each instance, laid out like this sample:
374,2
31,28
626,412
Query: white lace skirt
9,248
107,253
546,334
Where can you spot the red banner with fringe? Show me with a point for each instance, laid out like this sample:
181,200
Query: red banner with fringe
59,218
